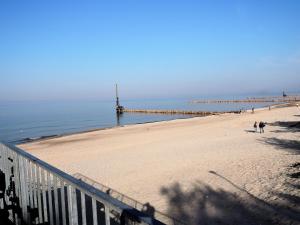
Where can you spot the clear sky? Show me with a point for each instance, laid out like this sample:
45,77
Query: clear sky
52,50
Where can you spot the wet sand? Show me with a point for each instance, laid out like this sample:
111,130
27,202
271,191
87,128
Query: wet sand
205,170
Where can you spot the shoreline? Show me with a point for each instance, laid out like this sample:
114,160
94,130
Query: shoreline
53,136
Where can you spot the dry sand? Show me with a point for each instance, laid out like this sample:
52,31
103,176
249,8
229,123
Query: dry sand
209,170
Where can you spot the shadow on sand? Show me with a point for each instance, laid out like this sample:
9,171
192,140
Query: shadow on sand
203,204
250,131
286,126
292,146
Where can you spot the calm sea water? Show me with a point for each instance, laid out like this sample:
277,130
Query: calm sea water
22,120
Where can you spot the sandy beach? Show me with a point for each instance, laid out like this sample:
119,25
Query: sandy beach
204,170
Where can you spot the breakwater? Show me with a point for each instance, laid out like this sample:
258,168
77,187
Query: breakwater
184,112
251,100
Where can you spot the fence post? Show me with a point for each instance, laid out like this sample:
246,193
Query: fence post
50,198
83,209
63,205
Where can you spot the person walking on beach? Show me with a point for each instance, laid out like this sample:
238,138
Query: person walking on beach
255,127
252,109
261,127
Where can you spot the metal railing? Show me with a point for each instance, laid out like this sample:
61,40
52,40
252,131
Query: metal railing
34,192
145,208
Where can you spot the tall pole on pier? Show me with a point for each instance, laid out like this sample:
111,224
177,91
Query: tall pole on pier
119,108
117,97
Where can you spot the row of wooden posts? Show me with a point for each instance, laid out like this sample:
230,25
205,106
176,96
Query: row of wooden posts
252,100
284,99
183,112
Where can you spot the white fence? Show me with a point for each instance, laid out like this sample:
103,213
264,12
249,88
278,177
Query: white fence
38,193
146,207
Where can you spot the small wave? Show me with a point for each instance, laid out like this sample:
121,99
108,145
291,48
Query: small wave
26,140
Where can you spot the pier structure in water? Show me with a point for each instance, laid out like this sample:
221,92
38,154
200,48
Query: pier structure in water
119,108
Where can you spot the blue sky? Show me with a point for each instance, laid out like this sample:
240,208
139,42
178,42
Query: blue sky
58,50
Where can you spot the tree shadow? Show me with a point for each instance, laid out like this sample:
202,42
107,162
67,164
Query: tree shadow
293,185
295,165
203,204
290,198
286,126
292,175
250,131
295,175
292,146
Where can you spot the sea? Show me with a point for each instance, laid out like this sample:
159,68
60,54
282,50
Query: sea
30,120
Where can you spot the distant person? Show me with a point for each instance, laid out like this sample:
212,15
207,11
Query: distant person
269,107
261,127
255,126
252,109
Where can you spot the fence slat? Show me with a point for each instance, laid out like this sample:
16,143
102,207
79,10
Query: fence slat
107,215
83,208
27,183
7,172
50,198
56,200
35,192
70,204
74,206
15,178
63,205
1,168
44,190
94,206
39,195
30,184
22,182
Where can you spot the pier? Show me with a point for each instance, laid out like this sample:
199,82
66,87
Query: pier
120,110
283,99
183,112
272,99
